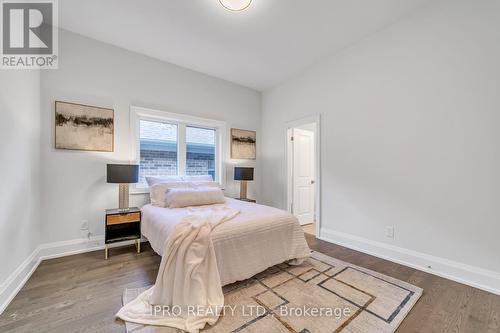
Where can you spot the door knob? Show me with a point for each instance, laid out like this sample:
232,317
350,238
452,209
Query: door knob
312,182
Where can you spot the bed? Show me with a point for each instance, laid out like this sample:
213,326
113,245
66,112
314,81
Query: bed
256,239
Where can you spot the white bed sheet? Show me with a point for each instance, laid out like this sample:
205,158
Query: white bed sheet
258,238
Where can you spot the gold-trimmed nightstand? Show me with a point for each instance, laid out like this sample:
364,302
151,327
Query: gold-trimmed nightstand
122,226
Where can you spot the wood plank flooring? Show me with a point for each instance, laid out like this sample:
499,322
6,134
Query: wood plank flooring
82,293
309,228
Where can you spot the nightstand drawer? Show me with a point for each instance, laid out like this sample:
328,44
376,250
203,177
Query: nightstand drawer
123,218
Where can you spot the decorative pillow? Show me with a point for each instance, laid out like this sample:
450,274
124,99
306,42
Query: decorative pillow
198,178
197,184
153,180
158,192
185,197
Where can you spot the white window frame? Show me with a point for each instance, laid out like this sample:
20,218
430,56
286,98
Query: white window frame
182,121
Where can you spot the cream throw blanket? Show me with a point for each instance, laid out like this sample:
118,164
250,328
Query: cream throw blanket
188,292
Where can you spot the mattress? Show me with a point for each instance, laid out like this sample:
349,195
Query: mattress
256,239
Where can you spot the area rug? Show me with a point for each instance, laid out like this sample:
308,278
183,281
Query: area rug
322,295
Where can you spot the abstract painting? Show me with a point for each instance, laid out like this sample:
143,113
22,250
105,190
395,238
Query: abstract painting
83,127
243,144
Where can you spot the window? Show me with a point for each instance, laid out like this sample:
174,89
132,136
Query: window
200,151
158,149
172,144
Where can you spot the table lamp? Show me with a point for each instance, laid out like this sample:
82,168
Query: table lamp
243,174
123,174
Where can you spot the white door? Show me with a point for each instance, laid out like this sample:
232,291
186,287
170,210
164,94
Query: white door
303,175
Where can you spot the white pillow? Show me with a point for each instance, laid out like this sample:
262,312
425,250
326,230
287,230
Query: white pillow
197,184
185,197
198,178
158,192
153,180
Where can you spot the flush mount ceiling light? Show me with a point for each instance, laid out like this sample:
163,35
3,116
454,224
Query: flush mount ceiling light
235,5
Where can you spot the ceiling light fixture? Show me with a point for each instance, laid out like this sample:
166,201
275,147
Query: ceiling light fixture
235,5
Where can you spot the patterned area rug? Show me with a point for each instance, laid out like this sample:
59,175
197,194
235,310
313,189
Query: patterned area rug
321,295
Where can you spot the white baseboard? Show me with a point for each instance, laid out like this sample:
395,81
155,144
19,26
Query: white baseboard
70,247
470,275
18,278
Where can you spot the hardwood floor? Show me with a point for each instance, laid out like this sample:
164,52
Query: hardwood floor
309,229
445,306
82,293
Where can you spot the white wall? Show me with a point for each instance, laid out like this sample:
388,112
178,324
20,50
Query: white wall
311,127
410,135
99,74
19,167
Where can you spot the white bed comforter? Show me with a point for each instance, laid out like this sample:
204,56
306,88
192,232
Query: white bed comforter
256,239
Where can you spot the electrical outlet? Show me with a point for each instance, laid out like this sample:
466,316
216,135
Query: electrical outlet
84,225
84,229
389,232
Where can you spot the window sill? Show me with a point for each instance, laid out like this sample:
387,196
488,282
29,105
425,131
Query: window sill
139,191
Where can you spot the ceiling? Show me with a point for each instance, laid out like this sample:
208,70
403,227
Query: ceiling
260,47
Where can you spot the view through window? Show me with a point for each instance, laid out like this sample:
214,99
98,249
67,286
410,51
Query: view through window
159,150
200,151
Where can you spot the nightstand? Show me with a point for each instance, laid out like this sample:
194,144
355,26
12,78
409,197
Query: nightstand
247,200
122,226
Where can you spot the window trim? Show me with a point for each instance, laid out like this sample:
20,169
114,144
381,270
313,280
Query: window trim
182,121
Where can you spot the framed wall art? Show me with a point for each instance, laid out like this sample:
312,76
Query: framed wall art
83,127
243,144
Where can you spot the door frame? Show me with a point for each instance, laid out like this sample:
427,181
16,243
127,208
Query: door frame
288,166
